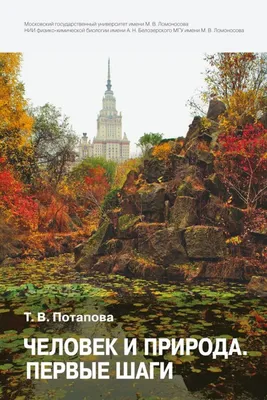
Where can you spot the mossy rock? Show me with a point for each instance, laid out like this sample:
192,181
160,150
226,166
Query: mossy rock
215,186
137,266
104,265
163,246
183,272
194,188
258,285
152,202
205,242
204,156
143,268
178,161
113,246
184,212
193,132
155,170
111,200
95,246
126,224
222,215
127,221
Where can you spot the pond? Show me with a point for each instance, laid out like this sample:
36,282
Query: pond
141,309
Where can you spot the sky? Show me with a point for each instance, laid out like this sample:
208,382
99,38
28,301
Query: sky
151,88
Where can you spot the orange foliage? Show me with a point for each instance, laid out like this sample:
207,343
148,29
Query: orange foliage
55,216
162,151
96,184
72,203
123,169
243,108
91,189
14,120
17,206
54,208
203,146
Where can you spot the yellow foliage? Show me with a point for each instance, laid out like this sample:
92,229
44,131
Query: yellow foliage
203,146
205,123
15,123
145,261
123,169
235,240
66,189
242,109
162,151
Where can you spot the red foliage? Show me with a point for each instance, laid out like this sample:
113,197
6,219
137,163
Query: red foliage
242,162
95,187
14,200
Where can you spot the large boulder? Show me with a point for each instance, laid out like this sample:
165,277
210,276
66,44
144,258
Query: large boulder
230,269
228,217
126,224
184,212
205,242
164,246
216,108
233,220
215,186
193,131
179,162
155,169
183,272
103,265
136,266
146,229
152,202
204,157
129,185
130,204
129,201
202,130
258,285
193,187
95,246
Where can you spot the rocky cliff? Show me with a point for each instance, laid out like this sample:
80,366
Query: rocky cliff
173,220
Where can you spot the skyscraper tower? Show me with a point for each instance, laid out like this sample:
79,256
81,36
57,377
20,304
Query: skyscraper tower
109,142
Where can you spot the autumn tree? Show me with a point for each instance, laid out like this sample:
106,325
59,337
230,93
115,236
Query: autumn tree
241,161
228,73
15,122
147,141
123,169
54,141
17,207
162,151
80,171
89,182
240,81
93,188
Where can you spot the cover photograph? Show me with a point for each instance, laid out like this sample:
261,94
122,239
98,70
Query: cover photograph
133,202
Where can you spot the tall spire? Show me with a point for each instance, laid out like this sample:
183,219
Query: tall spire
109,80
109,69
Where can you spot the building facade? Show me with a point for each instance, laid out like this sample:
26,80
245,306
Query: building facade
109,141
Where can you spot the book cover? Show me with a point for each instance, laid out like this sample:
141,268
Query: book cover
133,182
